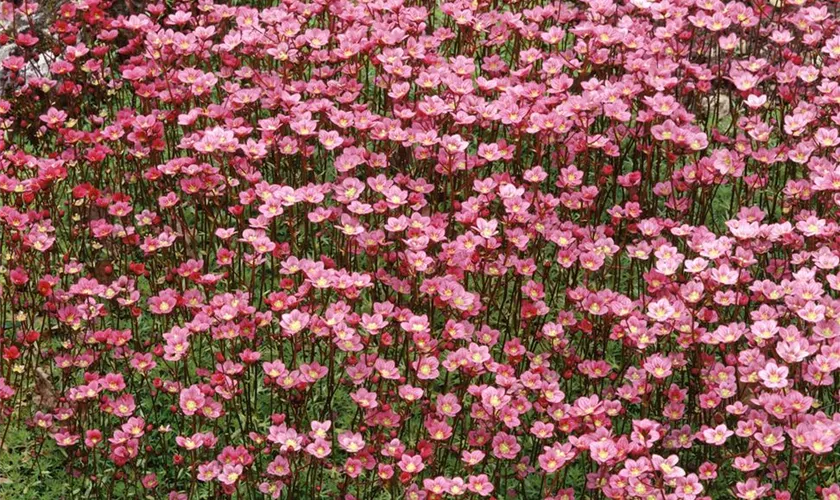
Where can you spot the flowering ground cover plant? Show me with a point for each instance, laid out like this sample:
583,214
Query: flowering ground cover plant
400,249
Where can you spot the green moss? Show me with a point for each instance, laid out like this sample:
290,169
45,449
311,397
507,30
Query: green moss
23,476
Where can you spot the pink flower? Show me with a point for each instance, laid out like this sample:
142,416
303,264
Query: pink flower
774,376
351,442
716,436
412,464
191,400
330,139
230,474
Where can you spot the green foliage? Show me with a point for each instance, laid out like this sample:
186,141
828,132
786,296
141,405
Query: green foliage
23,477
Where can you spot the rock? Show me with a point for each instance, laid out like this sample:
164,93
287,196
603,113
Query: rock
39,66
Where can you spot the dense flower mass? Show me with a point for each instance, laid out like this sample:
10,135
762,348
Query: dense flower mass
370,249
